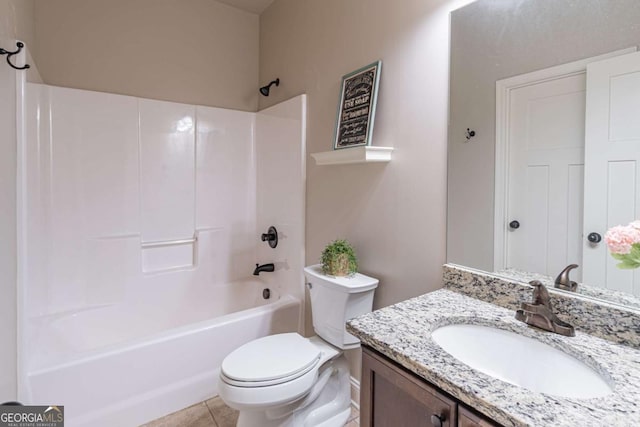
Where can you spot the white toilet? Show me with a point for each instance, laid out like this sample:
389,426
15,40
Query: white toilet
288,380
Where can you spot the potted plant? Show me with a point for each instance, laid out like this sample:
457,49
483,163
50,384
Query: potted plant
339,259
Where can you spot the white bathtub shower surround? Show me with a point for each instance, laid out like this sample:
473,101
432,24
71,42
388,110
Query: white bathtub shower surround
10,83
82,195
109,173
281,174
137,380
167,170
63,338
142,228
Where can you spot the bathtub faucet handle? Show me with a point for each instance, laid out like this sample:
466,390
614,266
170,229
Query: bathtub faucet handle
271,236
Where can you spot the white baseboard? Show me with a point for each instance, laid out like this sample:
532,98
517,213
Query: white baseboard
355,393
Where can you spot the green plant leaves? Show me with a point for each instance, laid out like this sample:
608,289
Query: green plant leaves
629,261
332,252
628,264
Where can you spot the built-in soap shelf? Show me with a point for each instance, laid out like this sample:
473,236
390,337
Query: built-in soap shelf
347,156
168,255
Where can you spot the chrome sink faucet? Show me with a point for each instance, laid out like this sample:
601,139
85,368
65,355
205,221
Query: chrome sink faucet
540,314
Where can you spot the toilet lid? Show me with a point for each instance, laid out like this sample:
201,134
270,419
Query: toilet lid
271,358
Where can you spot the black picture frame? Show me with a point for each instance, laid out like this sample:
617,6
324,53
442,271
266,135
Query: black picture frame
357,108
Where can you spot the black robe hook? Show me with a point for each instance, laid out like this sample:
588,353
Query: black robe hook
470,134
10,54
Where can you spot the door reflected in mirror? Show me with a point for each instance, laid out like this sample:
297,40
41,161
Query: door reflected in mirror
553,93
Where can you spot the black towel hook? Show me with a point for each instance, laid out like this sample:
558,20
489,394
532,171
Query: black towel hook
10,54
470,134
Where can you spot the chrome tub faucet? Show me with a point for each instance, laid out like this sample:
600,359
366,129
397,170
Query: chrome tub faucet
539,313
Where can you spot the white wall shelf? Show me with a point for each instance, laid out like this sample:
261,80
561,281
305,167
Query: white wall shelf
347,156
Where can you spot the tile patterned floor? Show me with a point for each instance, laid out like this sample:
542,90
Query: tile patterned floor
214,413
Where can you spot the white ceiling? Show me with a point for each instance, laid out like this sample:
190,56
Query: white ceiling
253,6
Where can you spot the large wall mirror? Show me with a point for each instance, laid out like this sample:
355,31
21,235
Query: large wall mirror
550,91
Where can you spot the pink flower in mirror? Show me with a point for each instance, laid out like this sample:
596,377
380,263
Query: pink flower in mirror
623,242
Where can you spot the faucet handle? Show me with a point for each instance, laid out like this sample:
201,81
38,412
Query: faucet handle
271,236
540,294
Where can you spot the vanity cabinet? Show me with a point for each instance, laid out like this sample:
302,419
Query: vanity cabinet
466,418
391,396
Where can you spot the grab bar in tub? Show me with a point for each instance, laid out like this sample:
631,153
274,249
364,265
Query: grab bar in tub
146,245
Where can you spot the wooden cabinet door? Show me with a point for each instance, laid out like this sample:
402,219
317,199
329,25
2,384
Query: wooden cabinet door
466,418
391,397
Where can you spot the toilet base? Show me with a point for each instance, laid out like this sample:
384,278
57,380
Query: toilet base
338,420
328,403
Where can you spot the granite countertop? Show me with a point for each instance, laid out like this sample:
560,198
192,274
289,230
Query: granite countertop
402,332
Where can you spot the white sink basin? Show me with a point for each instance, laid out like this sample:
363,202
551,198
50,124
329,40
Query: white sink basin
521,361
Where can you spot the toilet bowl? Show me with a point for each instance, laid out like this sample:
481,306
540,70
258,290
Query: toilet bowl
287,380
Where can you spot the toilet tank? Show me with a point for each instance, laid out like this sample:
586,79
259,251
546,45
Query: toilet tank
335,300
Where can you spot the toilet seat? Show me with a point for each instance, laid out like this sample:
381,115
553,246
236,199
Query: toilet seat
242,385
271,360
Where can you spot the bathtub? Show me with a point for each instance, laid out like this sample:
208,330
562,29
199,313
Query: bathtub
126,364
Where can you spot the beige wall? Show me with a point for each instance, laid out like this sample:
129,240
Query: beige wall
395,214
16,22
197,51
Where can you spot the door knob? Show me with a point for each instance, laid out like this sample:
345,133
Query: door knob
594,237
514,224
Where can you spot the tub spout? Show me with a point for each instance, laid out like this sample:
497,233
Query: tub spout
263,268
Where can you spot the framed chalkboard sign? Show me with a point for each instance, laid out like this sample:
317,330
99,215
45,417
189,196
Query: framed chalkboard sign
356,113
